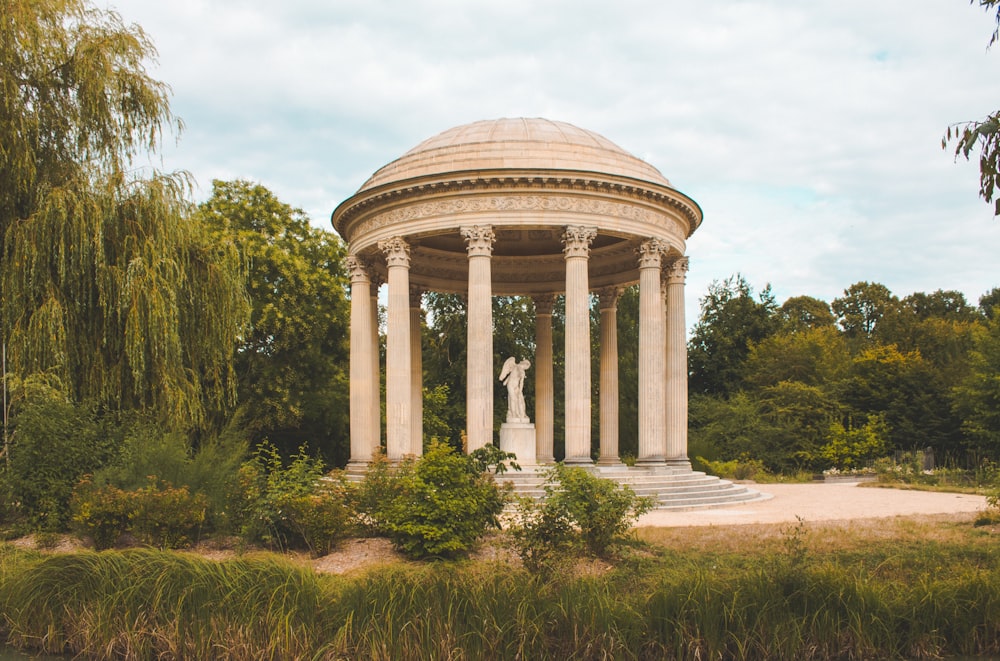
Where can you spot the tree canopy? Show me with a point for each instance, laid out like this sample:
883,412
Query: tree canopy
982,135
292,361
106,281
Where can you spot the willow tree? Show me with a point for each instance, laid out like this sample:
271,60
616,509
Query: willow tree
107,282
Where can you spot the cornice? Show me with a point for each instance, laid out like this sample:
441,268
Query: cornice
516,183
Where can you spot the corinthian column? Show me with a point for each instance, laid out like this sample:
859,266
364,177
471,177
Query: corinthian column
652,444
677,370
397,362
376,398
479,347
609,375
576,250
544,406
416,375
362,431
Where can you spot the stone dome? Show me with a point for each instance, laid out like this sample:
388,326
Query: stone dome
515,144
527,180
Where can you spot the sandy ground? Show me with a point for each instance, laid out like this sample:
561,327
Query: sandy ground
820,502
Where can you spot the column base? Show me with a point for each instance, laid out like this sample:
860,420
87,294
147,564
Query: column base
578,461
656,460
609,461
679,462
519,438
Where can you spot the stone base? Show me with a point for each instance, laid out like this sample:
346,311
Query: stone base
519,438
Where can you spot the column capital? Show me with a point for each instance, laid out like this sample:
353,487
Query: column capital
650,253
479,240
544,304
358,268
396,250
677,271
576,240
609,298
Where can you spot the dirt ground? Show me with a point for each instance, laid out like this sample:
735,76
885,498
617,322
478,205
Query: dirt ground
820,502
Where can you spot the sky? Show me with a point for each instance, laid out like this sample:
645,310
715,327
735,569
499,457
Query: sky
808,131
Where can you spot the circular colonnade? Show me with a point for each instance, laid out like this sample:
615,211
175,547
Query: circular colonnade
528,207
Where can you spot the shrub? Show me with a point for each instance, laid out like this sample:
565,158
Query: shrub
743,468
441,504
167,517
210,469
375,490
321,519
54,443
100,513
543,536
266,491
602,510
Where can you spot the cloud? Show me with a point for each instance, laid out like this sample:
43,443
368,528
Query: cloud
809,132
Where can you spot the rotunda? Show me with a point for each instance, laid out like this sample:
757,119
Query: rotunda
521,207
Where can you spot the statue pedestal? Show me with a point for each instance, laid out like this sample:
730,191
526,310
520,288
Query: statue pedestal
519,438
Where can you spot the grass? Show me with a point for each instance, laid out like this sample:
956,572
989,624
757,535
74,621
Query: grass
896,588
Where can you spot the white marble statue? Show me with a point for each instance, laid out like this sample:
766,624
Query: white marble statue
512,376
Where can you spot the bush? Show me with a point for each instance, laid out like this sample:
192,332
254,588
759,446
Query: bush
602,510
53,444
743,468
100,513
167,517
210,469
322,519
543,536
580,511
268,491
439,505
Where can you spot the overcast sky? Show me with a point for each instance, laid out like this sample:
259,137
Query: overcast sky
809,131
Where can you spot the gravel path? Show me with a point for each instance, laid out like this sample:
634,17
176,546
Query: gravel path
820,502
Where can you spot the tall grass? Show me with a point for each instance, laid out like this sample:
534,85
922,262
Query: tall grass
886,601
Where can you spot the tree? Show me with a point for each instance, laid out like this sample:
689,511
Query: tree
106,282
989,302
977,398
292,360
983,134
805,312
731,322
815,357
862,308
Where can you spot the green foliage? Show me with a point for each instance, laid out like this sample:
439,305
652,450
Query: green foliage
731,322
286,505
544,537
744,468
167,517
293,357
602,510
862,309
101,513
53,443
856,447
439,505
491,459
106,282
210,469
802,596
977,396
323,518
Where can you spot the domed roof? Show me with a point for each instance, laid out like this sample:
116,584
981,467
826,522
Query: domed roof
515,144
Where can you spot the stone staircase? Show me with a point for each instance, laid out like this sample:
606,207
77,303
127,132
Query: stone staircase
673,488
